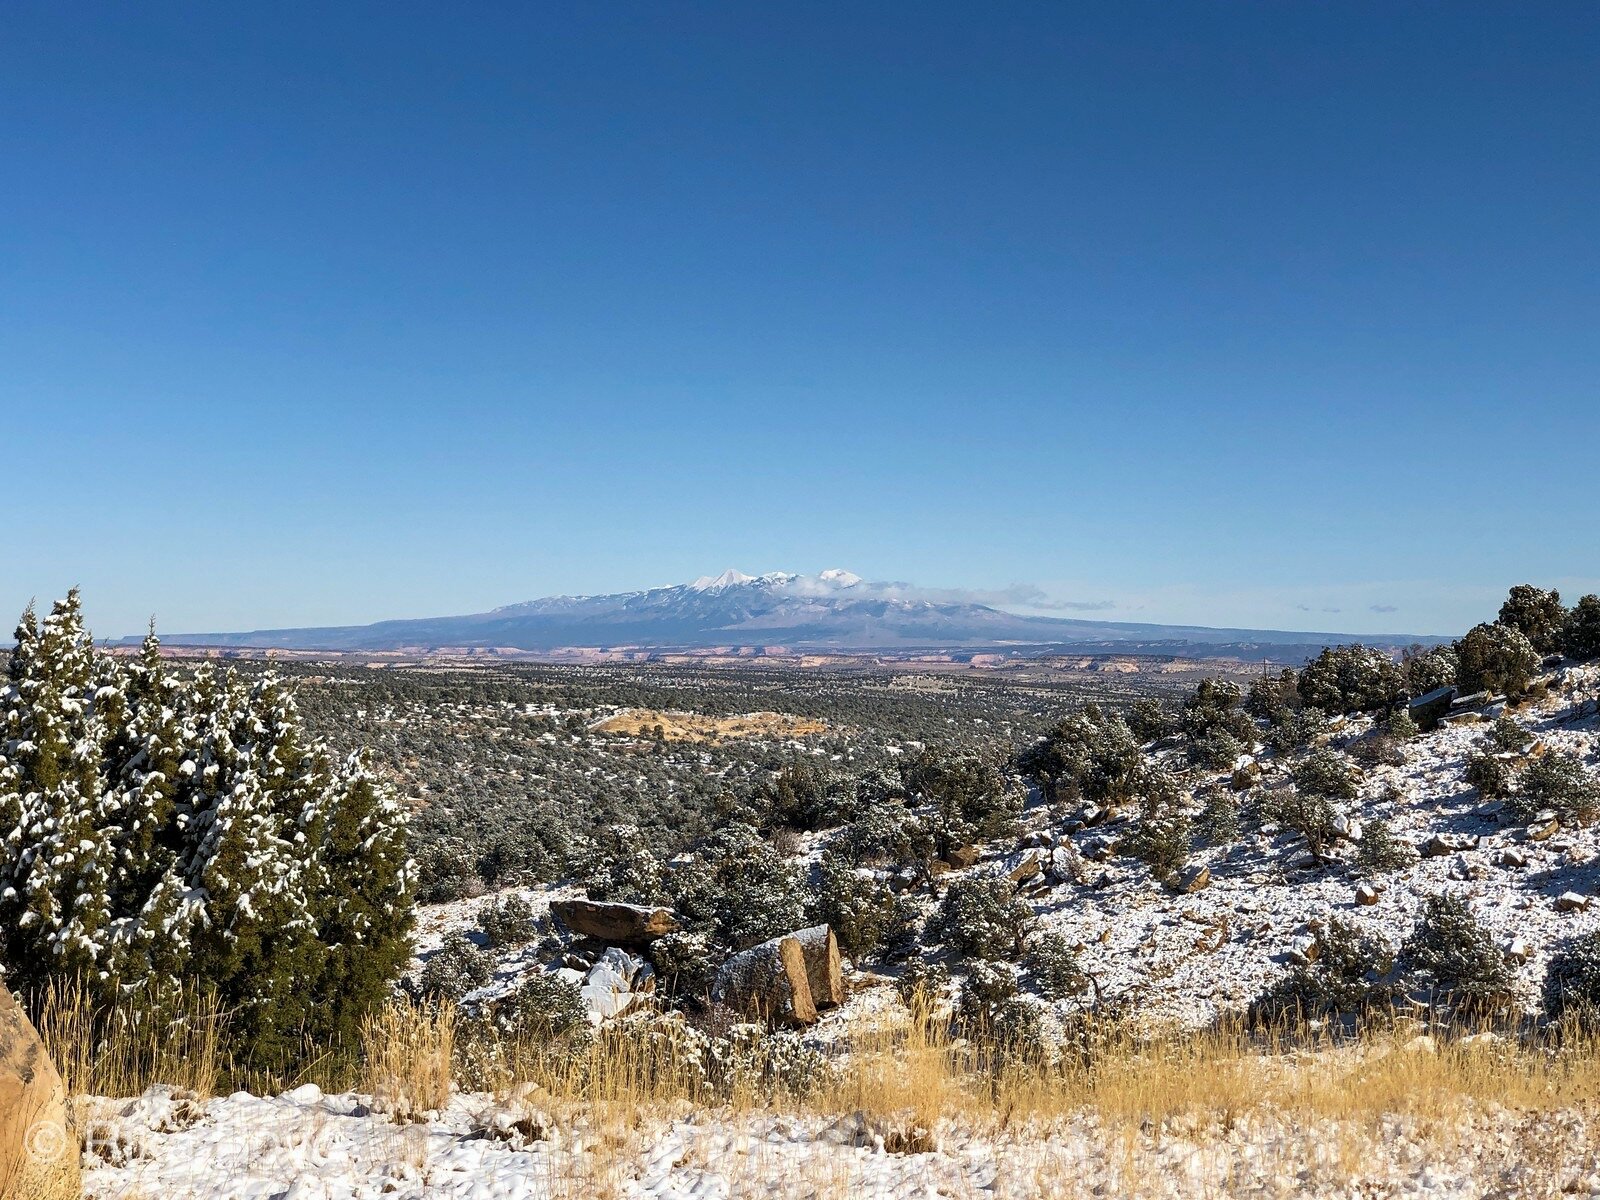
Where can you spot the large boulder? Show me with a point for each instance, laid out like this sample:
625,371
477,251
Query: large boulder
1427,709
38,1147
768,981
823,970
613,923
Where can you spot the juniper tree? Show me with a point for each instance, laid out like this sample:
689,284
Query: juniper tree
156,832
1537,614
1496,658
1580,636
1351,678
56,876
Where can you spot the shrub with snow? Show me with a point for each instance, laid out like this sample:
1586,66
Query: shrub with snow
738,889
1380,748
1350,976
686,963
1509,734
1354,678
1092,756
1379,850
1297,729
1148,719
1054,967
1215,723
885,831
966,799
1455,959
1402,725
619,864
993,1014
1311,807
1580,636
921,983
1160,837
544,1009
1558,782
508,922
457,967
1491,775
804,798
1572,980
1273,697
446,871
1430,669
982,918
1495,658
1220,819
860,910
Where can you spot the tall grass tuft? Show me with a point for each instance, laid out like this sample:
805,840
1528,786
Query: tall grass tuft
174,1039
409,1055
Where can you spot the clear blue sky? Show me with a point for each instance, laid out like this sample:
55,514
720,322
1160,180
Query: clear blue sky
1273,314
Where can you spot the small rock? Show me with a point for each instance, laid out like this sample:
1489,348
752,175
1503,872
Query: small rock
1571,902
1366,894
1098,849
1513,858
963,857
1195,879
1467,866
1441,844
1543,828
1519,951
1028,868
1305,950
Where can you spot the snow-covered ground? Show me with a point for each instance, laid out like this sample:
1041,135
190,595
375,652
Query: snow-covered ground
304,1145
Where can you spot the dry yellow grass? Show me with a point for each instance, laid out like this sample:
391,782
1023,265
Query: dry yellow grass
124,1053
408,1052
1333,1104
696,727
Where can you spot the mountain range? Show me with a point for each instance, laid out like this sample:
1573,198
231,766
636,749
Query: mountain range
831,612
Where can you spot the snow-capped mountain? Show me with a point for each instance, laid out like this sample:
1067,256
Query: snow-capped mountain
832,610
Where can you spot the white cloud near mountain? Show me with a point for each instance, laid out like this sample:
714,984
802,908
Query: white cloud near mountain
1028,597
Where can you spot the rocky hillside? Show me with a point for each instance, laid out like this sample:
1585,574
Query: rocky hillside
1248,900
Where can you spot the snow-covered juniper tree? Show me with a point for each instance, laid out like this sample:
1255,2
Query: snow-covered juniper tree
160,831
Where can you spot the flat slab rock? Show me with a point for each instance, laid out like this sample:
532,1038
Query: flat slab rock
615,923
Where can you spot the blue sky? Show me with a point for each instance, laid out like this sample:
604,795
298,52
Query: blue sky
1229,313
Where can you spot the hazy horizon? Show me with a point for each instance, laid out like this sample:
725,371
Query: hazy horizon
1022,598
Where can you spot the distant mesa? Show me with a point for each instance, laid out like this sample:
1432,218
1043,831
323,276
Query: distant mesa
832,612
